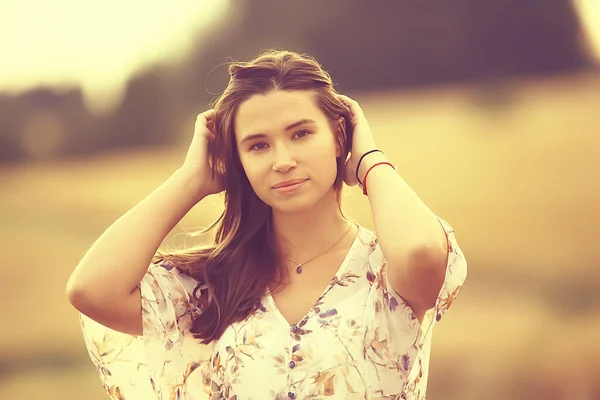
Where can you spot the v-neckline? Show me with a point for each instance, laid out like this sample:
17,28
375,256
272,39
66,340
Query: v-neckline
338,273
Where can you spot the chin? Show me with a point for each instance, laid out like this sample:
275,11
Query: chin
298,204
292,209
291,206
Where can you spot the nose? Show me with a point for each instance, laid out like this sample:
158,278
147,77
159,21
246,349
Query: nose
284,160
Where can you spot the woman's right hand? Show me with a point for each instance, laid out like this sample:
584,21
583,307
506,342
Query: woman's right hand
198,156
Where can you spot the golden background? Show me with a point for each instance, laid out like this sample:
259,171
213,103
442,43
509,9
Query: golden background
512,165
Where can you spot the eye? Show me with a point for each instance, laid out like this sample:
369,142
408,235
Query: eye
258,146
302,133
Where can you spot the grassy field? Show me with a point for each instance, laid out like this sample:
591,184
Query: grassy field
514,168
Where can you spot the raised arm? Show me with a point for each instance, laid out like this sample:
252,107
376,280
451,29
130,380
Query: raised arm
104,285
412,238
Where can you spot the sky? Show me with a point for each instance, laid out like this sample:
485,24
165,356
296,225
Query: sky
100,44
589,12
96,44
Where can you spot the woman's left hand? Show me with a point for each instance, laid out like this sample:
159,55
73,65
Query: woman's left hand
362,139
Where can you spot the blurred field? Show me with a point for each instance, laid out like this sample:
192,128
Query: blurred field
513,167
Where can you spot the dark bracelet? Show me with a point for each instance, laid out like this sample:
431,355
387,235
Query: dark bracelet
360,160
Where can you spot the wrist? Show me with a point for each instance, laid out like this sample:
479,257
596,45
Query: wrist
189,182
368,161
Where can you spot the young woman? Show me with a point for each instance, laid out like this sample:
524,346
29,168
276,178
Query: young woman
295,300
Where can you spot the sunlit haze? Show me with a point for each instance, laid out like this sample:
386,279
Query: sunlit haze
97,45
589,11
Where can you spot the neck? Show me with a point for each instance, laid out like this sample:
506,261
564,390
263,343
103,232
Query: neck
306,233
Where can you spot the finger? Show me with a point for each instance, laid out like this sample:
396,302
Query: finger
210,124
346,100
206,116
205,120
351,104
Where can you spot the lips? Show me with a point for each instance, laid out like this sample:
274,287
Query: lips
288,183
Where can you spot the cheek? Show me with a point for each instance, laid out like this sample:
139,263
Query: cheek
323,163
254,170
324,152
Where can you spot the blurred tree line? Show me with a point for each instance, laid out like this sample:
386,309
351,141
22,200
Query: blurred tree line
364,45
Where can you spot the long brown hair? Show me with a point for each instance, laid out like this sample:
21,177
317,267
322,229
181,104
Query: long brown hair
237,268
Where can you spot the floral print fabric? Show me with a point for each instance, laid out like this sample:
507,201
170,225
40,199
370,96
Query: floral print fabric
360,340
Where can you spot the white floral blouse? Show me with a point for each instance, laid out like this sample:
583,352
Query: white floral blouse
359,341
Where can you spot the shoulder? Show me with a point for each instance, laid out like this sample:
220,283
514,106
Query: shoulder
167,273
366,236
367,241
365,244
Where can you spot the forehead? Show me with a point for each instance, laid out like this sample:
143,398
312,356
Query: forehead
275,110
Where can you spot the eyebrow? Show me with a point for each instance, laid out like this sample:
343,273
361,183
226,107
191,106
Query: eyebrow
253,136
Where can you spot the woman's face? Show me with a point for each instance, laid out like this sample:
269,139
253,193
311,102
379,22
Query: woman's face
287,149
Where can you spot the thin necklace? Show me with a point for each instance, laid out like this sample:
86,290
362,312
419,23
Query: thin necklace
299,266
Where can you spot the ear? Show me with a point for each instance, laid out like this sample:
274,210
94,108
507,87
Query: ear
341,132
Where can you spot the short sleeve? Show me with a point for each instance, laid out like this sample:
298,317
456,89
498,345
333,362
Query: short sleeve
119,361
166,305
456,274
397,345
154,364
166,316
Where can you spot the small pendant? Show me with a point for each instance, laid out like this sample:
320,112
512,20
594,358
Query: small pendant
299,269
